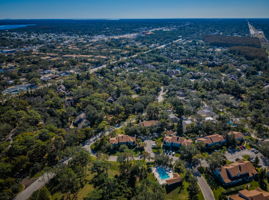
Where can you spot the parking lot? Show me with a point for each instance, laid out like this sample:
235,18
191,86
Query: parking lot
253,153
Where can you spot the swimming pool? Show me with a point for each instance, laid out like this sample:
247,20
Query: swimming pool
163,173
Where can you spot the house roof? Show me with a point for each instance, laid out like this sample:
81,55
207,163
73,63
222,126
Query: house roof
236,169
177,140
175,179
121,139
170,133
237,135
211,139
257,194
149,123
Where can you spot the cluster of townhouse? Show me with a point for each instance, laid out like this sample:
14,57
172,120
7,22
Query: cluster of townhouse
212,140
236,173
175,141
257,194
229,175
171,140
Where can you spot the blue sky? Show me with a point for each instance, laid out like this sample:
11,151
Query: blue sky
73,9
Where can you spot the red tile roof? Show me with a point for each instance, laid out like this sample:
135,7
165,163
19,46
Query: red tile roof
257,194
228,172
170,133
176,179
149,123
237,135
211,139
177,140
121,139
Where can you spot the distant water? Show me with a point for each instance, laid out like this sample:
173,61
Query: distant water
14,26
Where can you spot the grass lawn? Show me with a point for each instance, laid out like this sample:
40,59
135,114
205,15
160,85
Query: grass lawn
217,192
200,196
88,188
113,169
180,193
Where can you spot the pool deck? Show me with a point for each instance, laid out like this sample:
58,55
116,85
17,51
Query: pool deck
161,181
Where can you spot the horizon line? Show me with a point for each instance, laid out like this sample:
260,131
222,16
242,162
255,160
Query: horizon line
132,18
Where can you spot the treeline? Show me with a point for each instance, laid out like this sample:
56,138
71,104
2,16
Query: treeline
250,52
231,41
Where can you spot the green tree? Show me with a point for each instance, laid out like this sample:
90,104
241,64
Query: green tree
42,194
216,160
149,190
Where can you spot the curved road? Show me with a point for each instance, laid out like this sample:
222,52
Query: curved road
205,188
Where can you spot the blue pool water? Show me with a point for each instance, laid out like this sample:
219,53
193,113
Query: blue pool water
15,26
162,173
231,123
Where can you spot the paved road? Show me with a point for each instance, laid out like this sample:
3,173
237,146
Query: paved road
148,147
205,188
39,183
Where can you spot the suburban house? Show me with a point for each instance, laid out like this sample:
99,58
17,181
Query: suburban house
237,172
122,139
149,123
169,133
212,140
257,194
238,136
81,121
175,141
173,118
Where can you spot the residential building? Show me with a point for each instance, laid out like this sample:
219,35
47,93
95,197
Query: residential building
212,140
238,136
235,173
81,121
169,133
19,88
173,118
257,194
122,139
149,123
175,141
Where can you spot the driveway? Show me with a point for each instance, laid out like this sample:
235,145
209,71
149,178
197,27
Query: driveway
148,147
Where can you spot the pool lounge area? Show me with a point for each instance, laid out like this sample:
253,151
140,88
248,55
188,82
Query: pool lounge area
166,176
